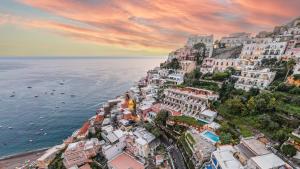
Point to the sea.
(44, 99)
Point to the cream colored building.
(188, 101)
(208, 40)
(187, 66)
(254, 79)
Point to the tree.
(200, 52)
(161, 117)
(225, 138)
(288, 150)
(234, 106)
(289, 66)
(174, 64)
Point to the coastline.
(18, 160)
(23, 153)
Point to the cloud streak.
(158, 24)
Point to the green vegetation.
(193, 80)
(187, 120)
(152, 129)
(201, 51)
(161, 117)
(185, 149)
(174, 64)
(57, 163)
(190, 138)
(288, 150)
(221, 76)
(296, 76)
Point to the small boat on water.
(30, 140)
(41, 129)
(41, 117)
(10, 128)
(36, 96)
(45, 134)
(62, 93)
(51, 93)
(73, 95)
(0, 126)
(63, 102)
(53, 90)
(29, 87)
(12, 95)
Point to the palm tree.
(289, 66)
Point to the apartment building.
(80, 152)
(208, 40)
(188, 101)
(235, 39)
(254, 79)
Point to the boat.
(73, 95)
(30, 140)
(62, 93)
(41, 129)
(10, 128)
(36, 96)
(45, 133)
(0, 126)
(41, 117)
(12, 95)
(61, 83)
(29, 87)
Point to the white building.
(208, 116)
(224, 158)
(115, 144)
(208, 40)
(293, 50)
(254, 79)
(145, 142)
(274, 50)
(188, 101)
(175, 78)
(267, 161)
(235, 39)
(254, 48)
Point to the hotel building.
(254, 79)
(188, 101)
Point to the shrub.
(288, 150)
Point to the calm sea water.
(64, 93)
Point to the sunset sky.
(128, 27)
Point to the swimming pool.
(211, 136)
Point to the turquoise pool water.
(211, 136)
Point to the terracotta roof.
(84, 128)
(175, 113)
(86, 166)
(99, 118)
(156, 107)
(125, 161)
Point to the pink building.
(79, 153)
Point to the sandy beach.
(11, 162)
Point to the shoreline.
(22, 159)
(2, 158)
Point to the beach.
(11, 162)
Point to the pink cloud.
(160, 23)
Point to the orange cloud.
(160, 23)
